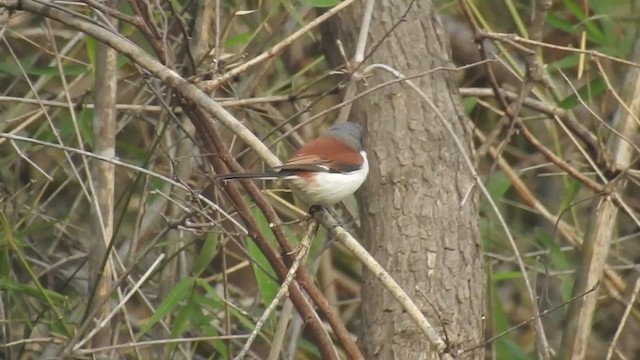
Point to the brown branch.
(148, 29)
(597, 240)
(478, 39)
(598, 188)
(301, 252)
(534, 75)
(213, 145)
(581, 131)
(513, 40)
(303, 276)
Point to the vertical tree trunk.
(103, 173)
(418, 221)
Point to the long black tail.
(261, 176)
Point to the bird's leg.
(311, 214)
(292, 222)
(316, 208)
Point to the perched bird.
(325, 170)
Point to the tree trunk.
(418, 221)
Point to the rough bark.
(414, 219)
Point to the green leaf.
(7, 285)
(121, 60)
(603, 16)
(5, 261)
(262, 269)
(44, 294)
(498, 185)
(317, 246)
(10, 69)
(507, 275)
(264, 274)
(469, 104)
(203, 322)
(587, 92)
(177, 5)
(560, 23)
(321, 3)
(291, 81)
(238, 40)
(206, 254)
(183, 316)
(556, 261)
(57, 328)
(213, 301)
(85, 124)
(180, 292)
(570, 192)
(125, 149)
(54, 70)
(90, 44)
(505, 347)
(568, 62)
(594, 33)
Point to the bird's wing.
(328, 155)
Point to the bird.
(326, 170)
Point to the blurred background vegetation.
(213, 282)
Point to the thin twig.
(114, 161)
(281, 330)
(211, 85)
(596, 246)
(124, 300)
(302, 249)
(542, 314)
(613, 281)
(221, 161)
(385, 279)
(26, 158)
(512, 38)
(623, 320)
(49, 340)
(158, 342)
(156, 108)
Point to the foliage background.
(212, 282)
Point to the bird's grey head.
(350, 133)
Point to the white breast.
(331, 188)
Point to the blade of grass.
(8, 235)
(183, 288)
